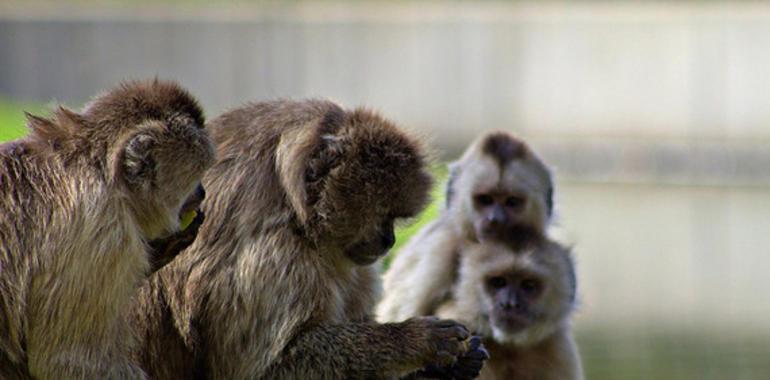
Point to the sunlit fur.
(74, 220)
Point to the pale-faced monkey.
(520, 302)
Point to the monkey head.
(500, 191)
(147, 139)
(349, 177)
(519, 297)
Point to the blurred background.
(655, 117)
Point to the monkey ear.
(136, 166)
(326, 158)
(304, 158)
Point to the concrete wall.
(663, 70)
(686, 73)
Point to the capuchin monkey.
(80, 199)
(520, 303)
(499, 191)
(280, 283)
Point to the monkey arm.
(369, 350)
(356, 350)
(421, 275)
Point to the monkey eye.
(484, 199)
(530, 286)
(497, 282)
(514, 201)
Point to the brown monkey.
(80, 197)
(499, 191)
(520, 302)
(279, 284)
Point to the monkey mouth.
(194, 200)
(512, 322)
(191, 207)
(368, 259)
(364, 254)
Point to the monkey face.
(515, 300)
(500, 191)
(184, 154)
(520, 296)
(160, 164)
(503, 216)
(349, 178)
(368, 251)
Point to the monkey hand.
(468, 365)
(441, 340)
(163, 250)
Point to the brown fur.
(278, 285)
(79, 198)
(545, 349)
(425, 269)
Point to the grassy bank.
(12, 121)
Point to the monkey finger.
(466, 373)
(481, 354)
(467, 369)
(432, 371)
(452, 329)
(476, 350)
(471, 344)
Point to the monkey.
(498, 191)
(81, 196)
(279, 283)
(520, 302)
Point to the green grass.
(667, 353)
(408, 228)
(12, 120)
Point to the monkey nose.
(388, 240)
(497, 216)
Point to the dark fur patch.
(332, 120)
(523, 236)
(503, 148)
(450, 185)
